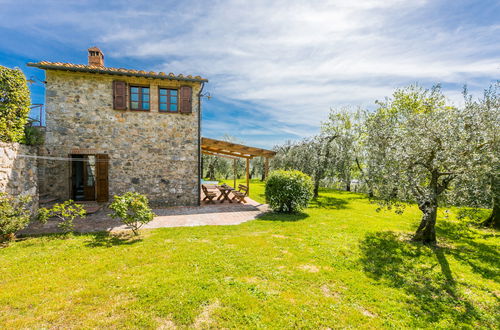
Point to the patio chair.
(241, 193)
(209, 195)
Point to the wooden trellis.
(235, 150)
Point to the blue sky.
(275, 67)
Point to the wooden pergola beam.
(206, 152)
(222, 152)
(234, 148)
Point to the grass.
(338, 264)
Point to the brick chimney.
(96, 57)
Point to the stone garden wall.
(18, 175)
(149, 152)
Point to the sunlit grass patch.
(338, 264)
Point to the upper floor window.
(168, 101)
(139, 98)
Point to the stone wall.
(150, 152)
(18, 174)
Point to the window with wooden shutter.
(168, 100)
(139, 98)
(185, 99)
(119, 95)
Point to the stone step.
(90, 207)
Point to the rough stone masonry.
(151, 152)
(18, 173)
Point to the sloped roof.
(212, 146)
(113, 71)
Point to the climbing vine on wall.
(14, 104)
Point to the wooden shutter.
(185, 100)
(119, 95)
(102, 183)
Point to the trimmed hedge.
(288, 191)
(14, 104)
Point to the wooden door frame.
(99, 196)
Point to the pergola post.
(248, 174)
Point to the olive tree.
(417, 147)
(345, 124)
(313, 156)
(480, 188)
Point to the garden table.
(224, 193)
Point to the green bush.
(33, 136)
(14, 215)
(66, 212)
(133, 210)
(14, 104)
(288, 191)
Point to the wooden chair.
(241, 193)
(209, 195)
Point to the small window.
(168, 100)
(139, 98)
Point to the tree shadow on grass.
(107, 239)
(422, 272)
(284, 217)
(471, 248)
(328, 202)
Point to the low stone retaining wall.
(18, 174)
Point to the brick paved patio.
(179, 216)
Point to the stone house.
(111, 130)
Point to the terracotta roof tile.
(116, 71)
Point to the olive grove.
(420, 149)
(413, 148)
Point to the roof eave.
(101, 71)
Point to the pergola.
(234, 151)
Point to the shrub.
(66, 212)
(14, 215)
(288, 191)
(33, 136)
(133, 210)
(14, 104)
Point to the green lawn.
(339, 264)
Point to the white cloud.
(293, 60)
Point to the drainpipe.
(199, 143)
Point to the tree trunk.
(211, 171)
(365, 177)
(494, 219)
(348, 186)
(316, 187)
(263, 174)
(426, 232)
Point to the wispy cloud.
(276, 68)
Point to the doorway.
(83, 178)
